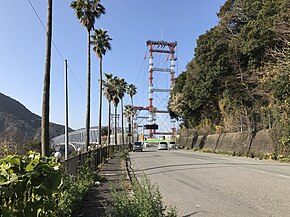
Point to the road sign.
(151, 126)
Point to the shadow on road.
(196, 166)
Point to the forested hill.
(239, 78)
(19, 125)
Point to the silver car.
(137, 146)
(162, 146)
(173, 145)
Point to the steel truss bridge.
(77, 139)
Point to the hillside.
(19, 125)
(238, 79)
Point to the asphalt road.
(200, 184)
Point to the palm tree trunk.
(115, 125)
(100, 103)
(132, 125)
(87, 141)
(129, 127)
(46, 86)
(109, 123)
(122, 120)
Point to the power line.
(42, 24)
(36, 14)
(58, 51)
(77, 80)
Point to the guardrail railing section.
(93, 158)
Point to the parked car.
(162, 146)
(137, 146)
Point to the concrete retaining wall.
(259, 142)
(234, 142)
(262, 142)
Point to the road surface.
(200, 184)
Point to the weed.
(125, 154)
(146, 201)
(75, 189)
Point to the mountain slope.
(19, 125)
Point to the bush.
(74, 191)
(125, 154)
(29, 185)
(37, 186)
(145, 202)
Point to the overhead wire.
(56, 48)
(73, 74)
(42, 24)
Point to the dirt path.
(100, 198)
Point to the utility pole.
(66, 111)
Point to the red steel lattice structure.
(165, 48)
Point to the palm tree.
(101, 43)
(109, 94)
(132, 90)
(116, 100)
(46, 86)
(87, 11)
(128, 112)
(121, 93)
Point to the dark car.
(137, 146)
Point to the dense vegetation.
(239, 78)
(32, 185)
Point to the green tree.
(109, 94)
(131, 91)
(121, 93)
(101, 44)
(116, 84)
(226, 78)
(46, 86)
(275, 83)
(129, 112)
(87, 11)
(177, 106)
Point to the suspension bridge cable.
(141, 67)
(141, 80)
(163, 122)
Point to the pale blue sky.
(129, 22)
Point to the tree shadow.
(196, 166)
